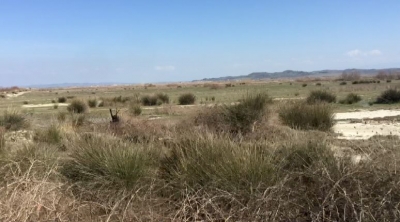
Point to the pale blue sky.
(57, 41)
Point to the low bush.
(50, 135)
(304, 84)
(25, 102)
(343, 83)
(350, 99)
(187, 99)
(92, 103)
(77, 106)
(135, 109)
(150, 100)
(108, 163)
(217, 163)
(163, 97)
(62, 99)
(304, 116)
(320, 96)
(13, 120)
(388, 96)
(318, 84)
(239, 118)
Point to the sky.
(76, 41)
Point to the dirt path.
(43, 105)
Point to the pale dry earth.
(366, 126)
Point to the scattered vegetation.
(304, 85)
(305, 116)
(343, 83)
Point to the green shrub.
(50, 135)
(304, 84)
(25, 102)
(388, 96)
(13, 120)
(96, 161)
(135, 109)
(350, 99)
(150, 100)
(92, 103)
(55, 106)
(62, 99)
(238, 118)
(320, 96)
(53, 101)
(388, 81)
(318, 84)
(163, 97)
(210, 162)
(77, 106)
(300, 115)
(186, 99)
(343, 83)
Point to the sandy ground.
(365, 129)
(11, 95)
(365, 114)
(43, 105)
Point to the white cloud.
(357, 53)
(164, 68)
(374, 52)
(354, 53)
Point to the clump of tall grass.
(109, 163)
(350, 99)
(62, 99)
(77, 106)
(135, 109)
(239, 118)
(51, 135)
(13, 120)
(150, 100)
(92, 103)
(2, 139)
(320, 96)
(187, 99)
(211, 162)
(388, 96)
(304, 116)
(163, 97)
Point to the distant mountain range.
(253, 76)
(295, 74)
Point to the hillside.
(296, 74)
